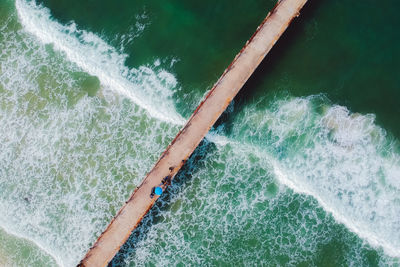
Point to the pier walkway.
(203, 118)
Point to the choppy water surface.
(288, 176)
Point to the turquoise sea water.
(303, 169)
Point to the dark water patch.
(254, 90)
(340, 54)
(155, 215)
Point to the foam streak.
(346, 162)
(96, 57)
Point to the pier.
(189, 137)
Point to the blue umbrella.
(158, 191)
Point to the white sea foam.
(150, 89)
(343, 160)
(67, 161)
(56, 258)
(236, 208)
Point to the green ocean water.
(303, 169)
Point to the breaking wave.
(149, 87)
(342, 159)
(69, 160)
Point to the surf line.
(46, 251)
(283, 175)
(90, 53)
(196, 128)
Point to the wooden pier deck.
(203, 118)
